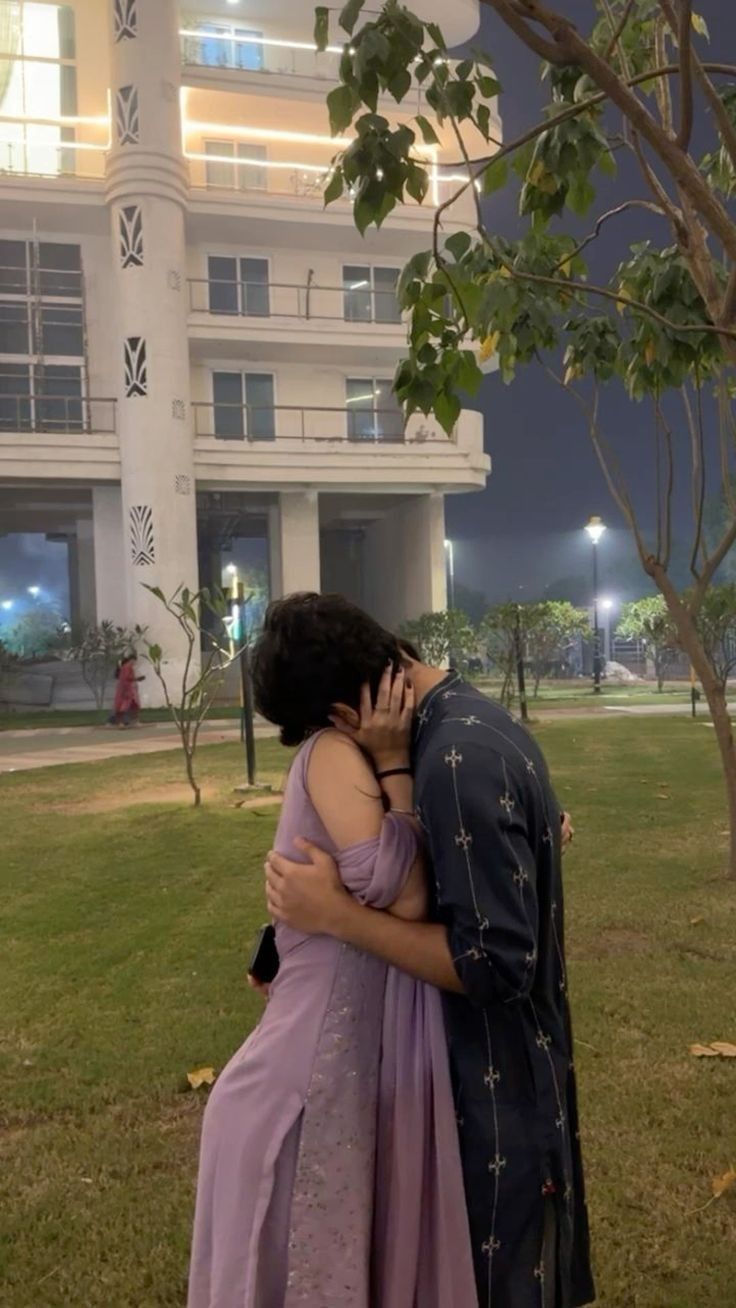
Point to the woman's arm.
(347, 797)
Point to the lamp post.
(608, 606)
(450, 556)
(595, 529)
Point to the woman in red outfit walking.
(127, 702)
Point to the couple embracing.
(400, 1130)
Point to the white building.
(192, 350)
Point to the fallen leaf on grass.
(721, 1184)
(664, 797)
(718, 1049)
(703, 1051)
(201, 1076)
(696, 921)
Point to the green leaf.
(417, 184)
(350, 15)
(399, 84)
(483, 119)
(700, 26)
(341, 103)
(469, 375)
(334, 188)
(580, 195)
(495, 176)
(447, 409)
(458, 244)
(488, 86)
(322, 27)
(464, 69)
(429, 135)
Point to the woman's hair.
(316, 651)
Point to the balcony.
(282, 445)
(270, 317)
(225, 56)
(58, 437)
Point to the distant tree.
(649, 620)
(550, 629)
(190, 699)
(40, 631)
(717, 629)
(440, 637)
(8, 668)
(99, 652)
(498, 635)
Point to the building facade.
(195, 356)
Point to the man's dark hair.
(316, 651)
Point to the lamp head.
(595, 529)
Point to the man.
(495, 947)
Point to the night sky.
(524, 534)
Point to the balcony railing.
(257, 425)
(357, 306)
(57, 414)
(267, 56)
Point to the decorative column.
(147, 195)
(298, 543)
(405, 562)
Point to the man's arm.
(311, 898)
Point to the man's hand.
(308, 897)
(568, 831)
(261, 987)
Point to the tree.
(471, 602)
(500, 630)
(649, 620)
(190, 700)
(661, 321)
(8, 668)
(99, 652)
(38, 633)
(551, 628)
(440, 637)
(717, 630)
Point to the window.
(38, 81)
(239, 285)
(243, 176)
(244, 406)
(370, 294)
(373, 412)
(223, 46)
(40, 397)
(41, 336)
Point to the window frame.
(377, 438)
(244, 373)
(371, 293)
(240, 311)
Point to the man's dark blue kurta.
(492, 825)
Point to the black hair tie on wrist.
(394, 772)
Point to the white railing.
(359, 306)
(326, 426)
(57, 413)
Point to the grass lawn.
(44, 718)
(123, 937)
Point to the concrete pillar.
(81, 562)
(110, 562)
(147, 193)
(405, 572)
(298, 543)
(275, 563)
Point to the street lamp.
(595, 529)
(34, 591)
(450, 554)
(7, 605)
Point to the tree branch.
(685, 43)
(619, 30)
(604, 218)
(518, 24)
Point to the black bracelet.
(394, 772)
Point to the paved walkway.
(43, 747)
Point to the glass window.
(222, 273)
(385, 286)
(370, 294)
(356, 281)
(227, 393)
(60, 269)
(250, 176)
(217, 171)
(38, 79)
(248, 53)
(373, 412)
(13, 267)
(260, 410)
(61, 330)
(213, 49)
(254, 283)
(15, 391)
(58, 398)
(14, 327)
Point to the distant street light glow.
(35, 591)
(7, 604)
(595, 529)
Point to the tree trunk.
(715, 694)
(189, 760)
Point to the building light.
(316, 169)
(57, 120)
(256, 39)
(266, 133)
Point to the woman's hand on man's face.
(385, 727)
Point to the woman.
(127, 705)
(330, 1173)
